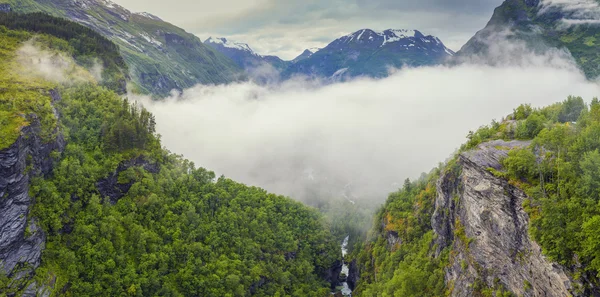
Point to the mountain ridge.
(160, 56)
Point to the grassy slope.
(158, 69)
(22, 95)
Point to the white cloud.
(37, 62)
(579, 11)
(299, 138)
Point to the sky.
(286, 28)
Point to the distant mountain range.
(371, 53)
(362, 53)
(160, 56)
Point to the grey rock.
(353, 275)
(490, 210)
(332, 274)
(21, 240)
(5, 7)
(110, 186)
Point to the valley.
(138, 160)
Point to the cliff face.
(21, 240)
(481, 217)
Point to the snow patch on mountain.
(148, 15)
(231, 44)
(149, 39)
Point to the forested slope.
(522, 195)
(120, 215)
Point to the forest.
(172, 228)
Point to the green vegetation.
(177, 231)
(541, 31)
(24, 91)
(22, 97)
(408, 268)
(159, 55)
(560, 172)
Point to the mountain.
(305, 55)
(543, 25)
(92, 205)
(242, 54)
(370, 53)
(160, 56)
(263, 69)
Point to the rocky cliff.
(21, 240)
(480, 216)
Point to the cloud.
(36, 62)
(578, 12)
(286, 28)
(362, 137)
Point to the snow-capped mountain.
(243, 55)
(371, 53)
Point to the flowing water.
(345, 289)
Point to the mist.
(358, 139)
(37, 62)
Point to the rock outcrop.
(332, 275)
(5, 7)
(353, 275)
(110, 186)
(21, 240)
(480, 216)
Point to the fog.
(361, 138)
(33, 61)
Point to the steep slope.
(160, 56)
(514, 213)
(543, 25)
(370, 53)
(86, 185)
(481, 219)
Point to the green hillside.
(124, 217)
(160, 56)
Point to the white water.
(346, 289)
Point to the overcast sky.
(286, 28)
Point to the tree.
(590, 178)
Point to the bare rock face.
(5, 8)
(481, 218)
(21, 240)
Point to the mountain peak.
(382, 38)
(224, 42)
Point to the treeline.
(87, 45)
